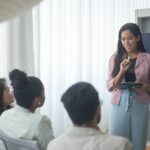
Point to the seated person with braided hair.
(22, 121)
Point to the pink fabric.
(142, 73)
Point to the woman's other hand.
(142, 89)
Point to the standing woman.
(130, 105)
(6, 97)
(22, 121)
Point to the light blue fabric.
(130, 119)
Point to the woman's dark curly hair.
(25, 88)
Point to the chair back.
(9, 143)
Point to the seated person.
(22, 121)
(81, 101)
(6, 97)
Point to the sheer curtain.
(72, 48)
(16, 46)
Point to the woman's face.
(129, 41)
(42, 98)
(7, 96)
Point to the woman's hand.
(124, 66)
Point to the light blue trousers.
(130, 119)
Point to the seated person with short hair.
(22, 121)
(81, 101)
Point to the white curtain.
(63, 42)
(72, 50)
(17, 45)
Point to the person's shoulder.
(44, 118)
(57, 143)
(112, 57)
(111, 60)
(116, 142)
(145, 54)
(41, 118)
(114, 54)
(7, 112)
(44, 124)
(116, 138)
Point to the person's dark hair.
(81, 101)
(2, 87)
(25, 88)
(121, 52)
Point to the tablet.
(127, 85)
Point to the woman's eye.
(130, 38)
